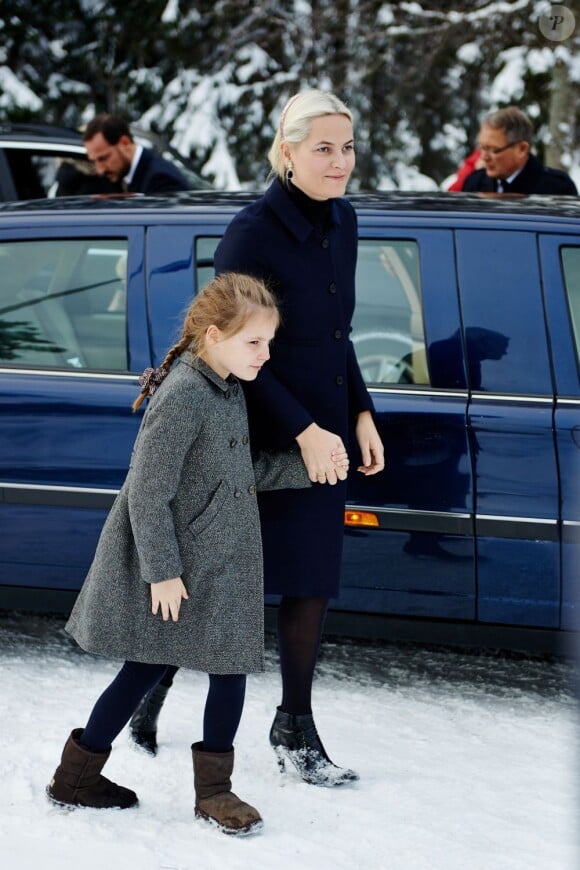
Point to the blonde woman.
(300, 237)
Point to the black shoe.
(143, 723)
(294, 737)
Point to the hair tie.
(152, 378)
(284, 113)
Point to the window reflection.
(62, 304)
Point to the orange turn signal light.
(361, 518)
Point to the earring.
(289, 171)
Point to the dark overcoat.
(312, 376)
(187, 508)
(535, 178)
(154, 174)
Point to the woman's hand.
(324, 455)
(371, 446)
(168, 595)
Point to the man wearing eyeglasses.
(504, 142)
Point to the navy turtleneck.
(318, 212)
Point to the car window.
(35, 171)
(571, 269)
(503, 312)
(204, 251)
(26, 174)
(63, 304)
(388, 332)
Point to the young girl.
(177, 575)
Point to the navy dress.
(306, 253)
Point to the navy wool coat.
(312, 375)
(188, 508)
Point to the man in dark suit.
(504, 142)
(111, 147)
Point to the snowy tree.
(212, 76)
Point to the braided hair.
(227, 302)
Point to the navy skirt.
(302, 535)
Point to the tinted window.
(571, 268)
(63, 305)
(503, 312)
(204, 251)
(34, 172)
(388, 332)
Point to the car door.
(418, 557)
(510, 419)
(560, 257)
(179, 263)
(73, 336)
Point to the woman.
(300, 237)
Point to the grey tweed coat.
(187, 508)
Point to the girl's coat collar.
(196, 363)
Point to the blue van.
(467, 330)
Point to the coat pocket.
(200, 523)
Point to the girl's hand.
(318, 446)
(168, 595)
(340, 458)
(371, 446)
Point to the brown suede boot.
(214, 799)
(77, 780)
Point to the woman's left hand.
(371, 446)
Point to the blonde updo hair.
(227, 301)
(294, 123)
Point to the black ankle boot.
(294, 737)
(143, 723)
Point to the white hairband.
(284, 112)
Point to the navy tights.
(223, 707)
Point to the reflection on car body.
(467, 331)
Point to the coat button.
(325, 243)
(332, 288)
(338, 333)
(339, 380)
(245, 439)
(227, 394)
(235, 390)
(252, 489)
(238, 493)
(233, 442)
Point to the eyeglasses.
(493, 151)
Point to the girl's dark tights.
(223, 708)
(300, 624)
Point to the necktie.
(500, 185)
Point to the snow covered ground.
(467, 762)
